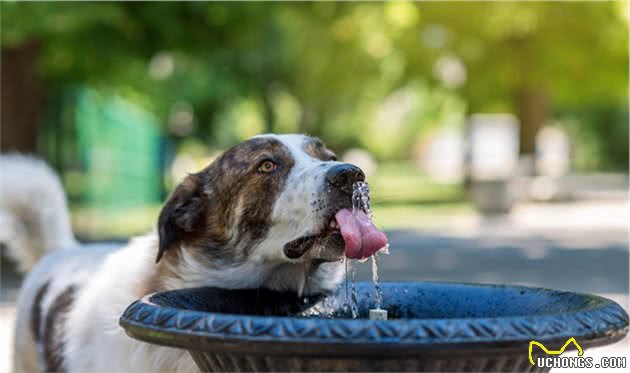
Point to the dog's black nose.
(344, 175)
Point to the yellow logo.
(554, 352)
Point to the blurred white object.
(442, 156)
(494, 161)
(551, 165)
(544, 188)
(182, 166)
(594, 186)
(161, 66)
(493, 146)
(378, 314)
(552, 151)
(493, 196)
(450, 70)
(361, 158)
(182, 119)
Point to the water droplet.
(361, 198)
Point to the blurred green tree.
(332, 68)
(200, 53)
(529, 58)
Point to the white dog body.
(273, 229)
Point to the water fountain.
(383, 327)
(431, 327)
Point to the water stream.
(354, 303)
(361, 202)
(377, 289)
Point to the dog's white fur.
(112, 277)
(33, 212)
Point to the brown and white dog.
(270, 212)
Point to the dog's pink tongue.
(361, 237)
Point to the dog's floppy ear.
(181, 214)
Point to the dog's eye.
(333, 158)
(267, 166)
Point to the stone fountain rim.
(596, 325)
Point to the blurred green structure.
(119, 146)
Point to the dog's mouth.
(347, 232)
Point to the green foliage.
(578, 51)
(601, 134)
(330, 68)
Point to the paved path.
(594, 262)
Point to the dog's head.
(269, 200)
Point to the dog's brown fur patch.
(48, 331)
(223, 211)
(36, 312)
(54, 330)
(316, 149)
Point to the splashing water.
(354, 303)
(345, 262)
(361, 198)
(361, 202)
(351, 303)
(377, 289)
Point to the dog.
(271, 212)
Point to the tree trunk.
(20, 98)
(532, 106)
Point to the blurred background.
(494, 134)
